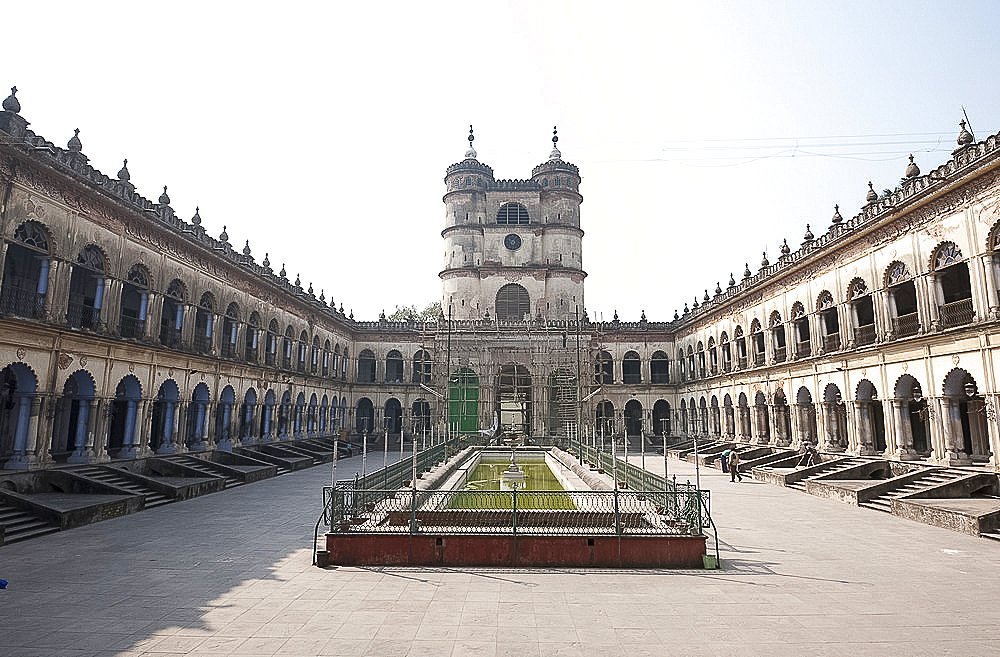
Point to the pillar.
(904, 430)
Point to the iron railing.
(905, 325)
(831, 342)
(21, 302)
(131, 327)
(957, 313)
(80, 315)
(779, 354)
(864, 335)
(803, 349)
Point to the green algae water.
(541, 489)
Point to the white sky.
(320, 132)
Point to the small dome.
(808, 237)
(836, 219)
(964, 136)
(785, 249)
(471, 153)
(555, 154)
(10, 103)
(196, 219)
(124, 175)
(224, 236)
(164, 199)
(74, 144)
(912, 170)
(246, 249)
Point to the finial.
(10, 103)
(164, 199)
(310, 290)
(282, 273)
(694, 306)
(836, 219)
(732, 281)
(351, 316)
(616, 316)
(912, 171)
(746, 270)
(341, 311)
(808, 237)
(124, 175)
(964, 136)
(267, 261)
(642, 318)
(471, 153)
(196, 219)
(246, 249)
(785, 249)
(555, 154)
(298, 281)
(322, 298)
(381, 316)
(686, 309)
(871, 196)
(718, 288)
(74, 144)
(224, 236)
(676, 316)
(763, 261)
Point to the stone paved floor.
(230, 574)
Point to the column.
(111, 306)
(84, 418)
(181, 426)
(20, 459)
(989, 275)
(167, 444)
(154, 314)
(145, 420)
(53, 311)
(863, 421)
(951, 422)
(934, 301)
(224, 441)
(904, 430)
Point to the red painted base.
(347, 549)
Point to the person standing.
(734, 467)
(725, 459)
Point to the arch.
(247, 412)
(798, 310)
(223, 418)
(604, 415)
(964, 413)
(93, 257)
(857, 288)
(393, 416)
(512, 214)
(958, 383)
(123, 431)
(267, 417)
(865, 391)
(633, 417)
(870, 417)
(298, 416)
(87, 286)
(35, 235)
(421, 367)
(163, 425)
(366, 366)
(905, 387)
(324, 426)
(604, 368)
(26, 272)
(514, 399)
(364, 416)
(72, 413)
(803, 396)
(312, 419)
(661, 417)
(824, 300)
(512, 303)
(896, 273)
(631, 368)
(659, 368)
(944, 255)
(394, 367)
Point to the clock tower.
(513, 248)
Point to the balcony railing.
(831, 342)
(864, 335)
(957, 313)
(758, 359)
(803, 349)
(202, 344)
(228, 350)
(131, 327)
(170, 337)
(741, 362)
(779, 354)
(80, 315)
(21, 302)
(727, 366)
(905, 325)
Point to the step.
(151, 497)
(20, 525)
(992, 534)
(877, 504)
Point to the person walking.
(734, 466)
(725, 460)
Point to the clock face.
(512, 242)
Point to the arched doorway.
(298, 417)
(514, 399)
(247, 415)
(763, 419)
(223, 419)
(73, 410)
(123, 434)
(661, 417)
(835, 419)
(284, 415)
(912, 415)
(730, 416)
(162, 428)
(805, 413)
(870, 419)
(463, 400)
(964, 419)
(364, 416)
(782, 419)
(394, 416)
(605, 418)
(744, 417)
(562, 403)
(267, 417)
(197, 419)
(18, 386)
(633, 417)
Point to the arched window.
(421, 367)
(134, 300)
(727, 352)
(230, 328)
(302, 348)
(902, 299)
(314, 356)
(778, 337)
(394, 367)
(659, 368)
(271, 343)
(604, 369)
(251, 345)
(26, 272)
(801, 337)
(757, 341)
(203, 323)
(172, 314)
(366, 367)
(631, 368)
(862, 311)
(829, 322)
(86, 289)
(952, 278)
(741, 347)
(286, 348)
(512, 214)
(513, 303)
(326, 358)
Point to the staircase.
(112, 478)
(883, 502)
(828, 467)
(20, 525)
(206, 468)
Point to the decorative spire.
(283, 273)
(124, 175)
(837, 219)
(164, 199)
(785, 249)
(196, 219)
(616, 316)
(686, 309)
(676, 316)
(964, 136)
(706, 298)
(341, 311)
(746, 271)
(808, 237)
(298, 281)
(555, 154)
(732, 281)
(694, 305)
(322, 297)
(471, 153)
(310, 290)
(246, 249)
(718, 288)
(267, 261)
(10, 103)
(224, 236)
(763, 261)
(74, 144)
(642, 318)
(351, 316)
(381, 316)
(912, 171)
